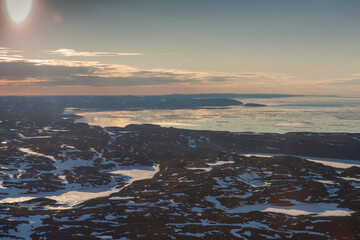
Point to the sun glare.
(19, 10)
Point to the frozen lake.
(281, 115)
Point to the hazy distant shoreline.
(282, 113)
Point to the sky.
(142, 47)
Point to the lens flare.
(18, 10)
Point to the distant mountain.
(235, 95)
(41, 107)
(254, 105)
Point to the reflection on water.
(300, 114)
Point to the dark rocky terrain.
(66, 180)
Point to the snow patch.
(30, 152)
(317, 209)
(332, 162)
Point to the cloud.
(15, 70)
(354, 80)
(6, 53)
(73, 53)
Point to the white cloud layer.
(73, 53)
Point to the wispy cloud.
(354, 80)
(6, 53)
(73, 53)
(17, 70)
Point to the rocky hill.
(66, 180)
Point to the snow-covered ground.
(74, 193)
(332, 162)
(299, 208)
